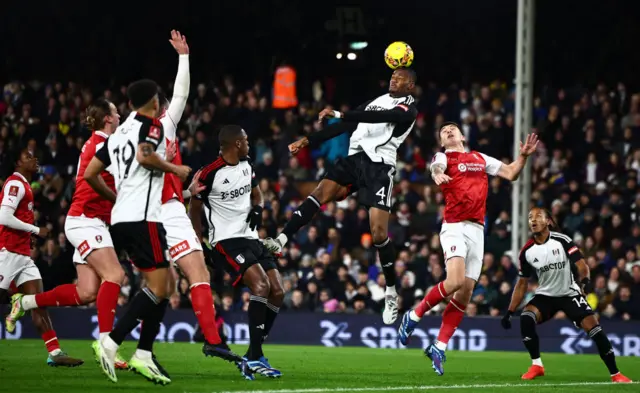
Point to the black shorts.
(144, 242)
(575, 307)
(239, 254)
(372, 180)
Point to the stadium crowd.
(586, 173)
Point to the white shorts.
(466, 240)
(181, 238)
(86, 234)
(17, 268)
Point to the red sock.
(435, 296)
(451, 318)
(50, 340)
(60, 296)
(202, 302)
(106, 303)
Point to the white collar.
(22, 177)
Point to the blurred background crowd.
(586, 172)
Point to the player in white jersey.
(134, 154)
(377, 128)
(232, 203)
(183, 243)
(559, 266)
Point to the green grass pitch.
(311, 370)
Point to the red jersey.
(17, 194)
(172, 184)
(465, 196)
(86, 200)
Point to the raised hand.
(530, 146)
(179, 42)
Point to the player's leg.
(145, 243)
(451, 318)
(339, 181)
(256, 279)
(591, 325)
(536, 311)
(455, 252)
(275, 300)
(67, 295)
(29, 282)
(325, 192)
(194, 268)
(379, 222)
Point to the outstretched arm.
(182, 82)
(512, 171)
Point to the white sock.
(102, 336)
(282, 239)
(391, 291)
(441, 346)
(142, 354)
(29, 302)
(537, 362)
(55, 352)
(109, 344)
(413, 316)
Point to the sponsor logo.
(178, 248)
(240, 258)
(453, 248)
(13, 191)
(226, 181)
(462, 167)
(236, 193)
(83, 248)
(30, 206)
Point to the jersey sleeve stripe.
(217, 164)
(572, 250)
(560, 236)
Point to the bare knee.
(378, 233)
(87, 295)
(114, 275)
(276, 296)
(455, 274)
(260, 288)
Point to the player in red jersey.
(98, 269)
(184, 245)
(16, 265)
(462, 176)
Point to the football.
(398, 54)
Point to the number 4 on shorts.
(382, 195)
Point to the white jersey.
(554, 262)
(139, 190)
(227, 199)
(380, 141)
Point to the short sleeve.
(573, 252)
(440, 159)
(13, 194)
(102, 153)
(525, 268)
(207, 182)
(152, 133)
(492, 165)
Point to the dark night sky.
(577, 42)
